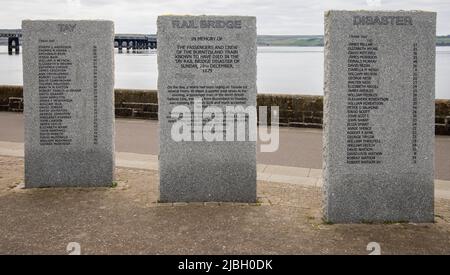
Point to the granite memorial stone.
(211, 59)
(379, 116)
(68, 79)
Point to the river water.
(289, 70)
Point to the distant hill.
(290, 40)
(443, 40)
(316, 40)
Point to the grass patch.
(395, 222)
(324, 221)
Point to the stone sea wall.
(295, 110)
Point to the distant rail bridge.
(13, 39)
(133, 42)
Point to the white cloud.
(273, 17)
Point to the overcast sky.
(273, 16)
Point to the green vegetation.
(443, 40)
(395, 222)
(324, 221)
(316, 40)
(290, 40)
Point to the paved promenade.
(127, 219)
(299, 147)
(302, 176)
(287, 218)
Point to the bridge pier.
(119, 45)
(134, 44)
(13, 43)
